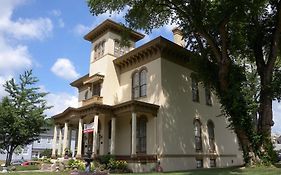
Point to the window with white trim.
(143, 83)
(211, 133)
(141, 135)
(199, 163)
(197, 134)
(99, 50)
(139, 84)
(195, 90)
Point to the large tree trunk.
(249, 154)
(9, 156)
(265, 120)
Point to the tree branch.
(275, 39)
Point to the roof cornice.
(109, 25)
(158, 47)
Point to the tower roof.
(109, 25)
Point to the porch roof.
(114, 110)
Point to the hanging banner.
(88, 128)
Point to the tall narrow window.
(135, 85)
(195, 90)
(213, 163)
(96, 89)
(139, 84)
(116, 48)
(197, 133)
(141, 135)
(211, 134)
(143, 83)
(99, 50)
(208, 95)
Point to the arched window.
(197, 134)
(139, 84)
(135, 85)
(211, 133)
(143, 83)
(141, 135)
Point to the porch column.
(95, 135)
(134, 131)
(80, 137)
(112, 141)
(69, 139)
(65, 138)
(60, 141)
(54, 142)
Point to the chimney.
(178, 37)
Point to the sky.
(47, 37)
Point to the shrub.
(105, 159)
(79, 164)
(117, 165)
(46, 153)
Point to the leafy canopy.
(21, 113)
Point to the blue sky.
(48, 38)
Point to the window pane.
(211, 134)
(197, 134)
(199, 163)
(141, 135)
(212, 163)
(195, 91)
(208, 95)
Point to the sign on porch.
(88, 128)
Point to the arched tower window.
(197, 134)
(211, 133)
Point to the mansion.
(144, 106)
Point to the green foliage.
(105, 159)
(75, 163)
(117, 165)
(46, 153)
(21, 113)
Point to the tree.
(21, 114)
(219, 33)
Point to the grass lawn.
(225, 171)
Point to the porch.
(127, 131)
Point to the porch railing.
(93, 99)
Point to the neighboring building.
(35, 149)
(144, 105)
(276, 140)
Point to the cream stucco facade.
(148, 121)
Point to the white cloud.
(60, 102)
(64, 68)
(81, 29)
(27, 28)
(55, 12)
(15, 57)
